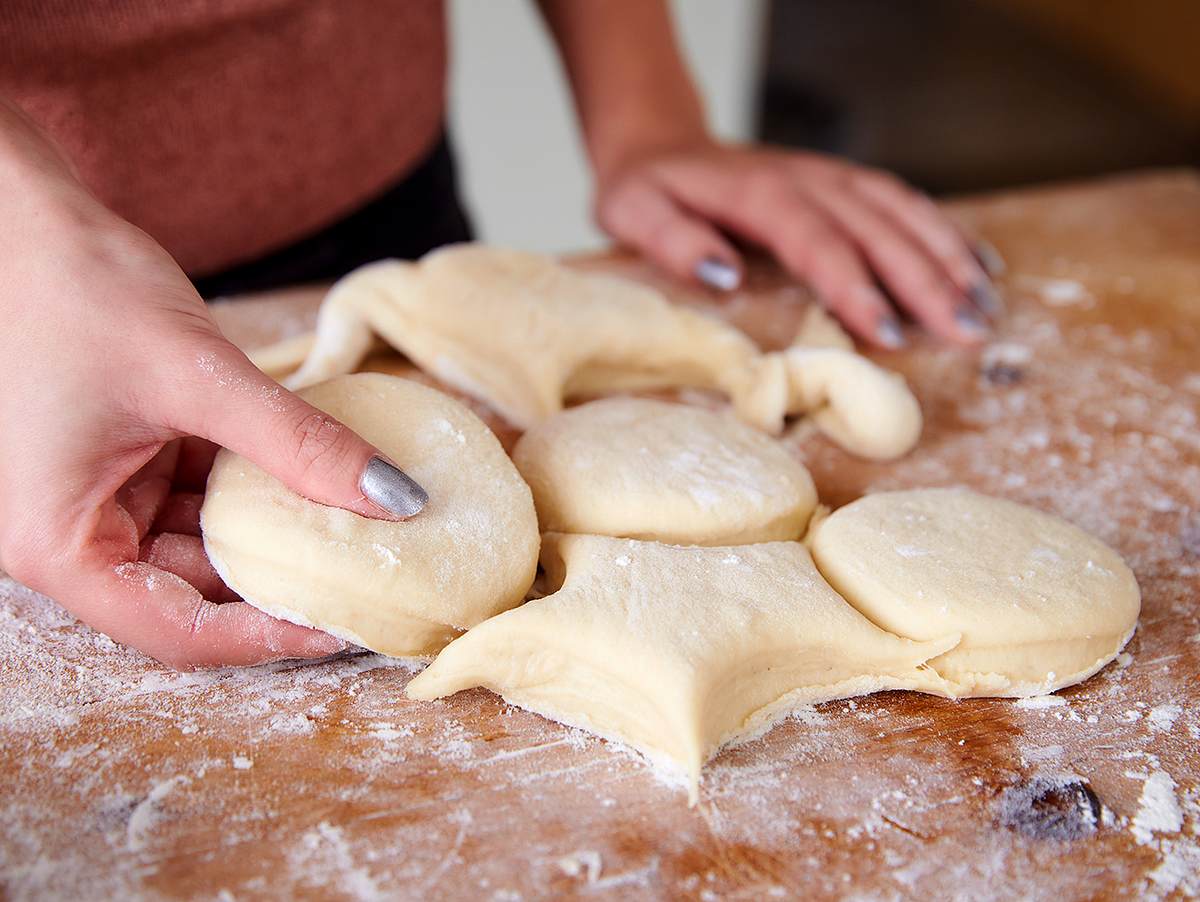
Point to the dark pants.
(417, 215)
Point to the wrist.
(35, 175)
(618, 145)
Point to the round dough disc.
(1040, 603)
(397, 588)
(642, 469)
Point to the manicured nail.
(889, 333)
(986, 298)
(323, 644)
(989, 258)
(718, 274)
(392, 489)
(970, 323)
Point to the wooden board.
(122, 779)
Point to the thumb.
(235, 405)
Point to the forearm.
(632, 89)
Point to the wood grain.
(122, 779)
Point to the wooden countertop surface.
(122, 779)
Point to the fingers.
(916, 216)
(184, 556)
(642, 215)
(839, 227)
(144, 493)
(233, 404)
(773, 213)
(164, 616)
(917, 282)
(100, 580)
(180, 514)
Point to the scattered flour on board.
(1163, 717)
(1158, 809)
(1038, 702)
(1057, 292)
(149, 812)
(97, 711)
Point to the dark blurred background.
(967, 95)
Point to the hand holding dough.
(397, 588)
(678, 651)
(642, 469)
(1040, 603)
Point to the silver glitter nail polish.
(890, 334)
(392, 489)
(986, 298)
(989, 258)
(970, 322)
(718, 274)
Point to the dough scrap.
(523, 332)
(818, 329)
(867, 410)
(644, 469)
(402, 589)
(678, 651)
(1040, 603)
(285, 356)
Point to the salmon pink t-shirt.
(229, 128)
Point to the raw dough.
(522, 331)
(397, 588)
(643, 469)
(818, 329)
(1040, 603)
(862, 407)
(679, 650)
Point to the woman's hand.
(111, 365)
(665, 188)
(838, 226)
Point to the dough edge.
(669, 770)
(282, 612)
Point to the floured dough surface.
(679, 650)
(1040, 603)
(645, 469)
(522, 332)
(402, 589)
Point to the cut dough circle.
(678, 650)
(1040, 603)
(403, 589)
(643, 469)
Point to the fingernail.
(718, 274)
(986, 298)
(989, 258)
(324, 644)
(970, 323)
(392, 489)
(889, 333)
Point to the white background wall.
(523, 170)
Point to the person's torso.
(228, 128)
